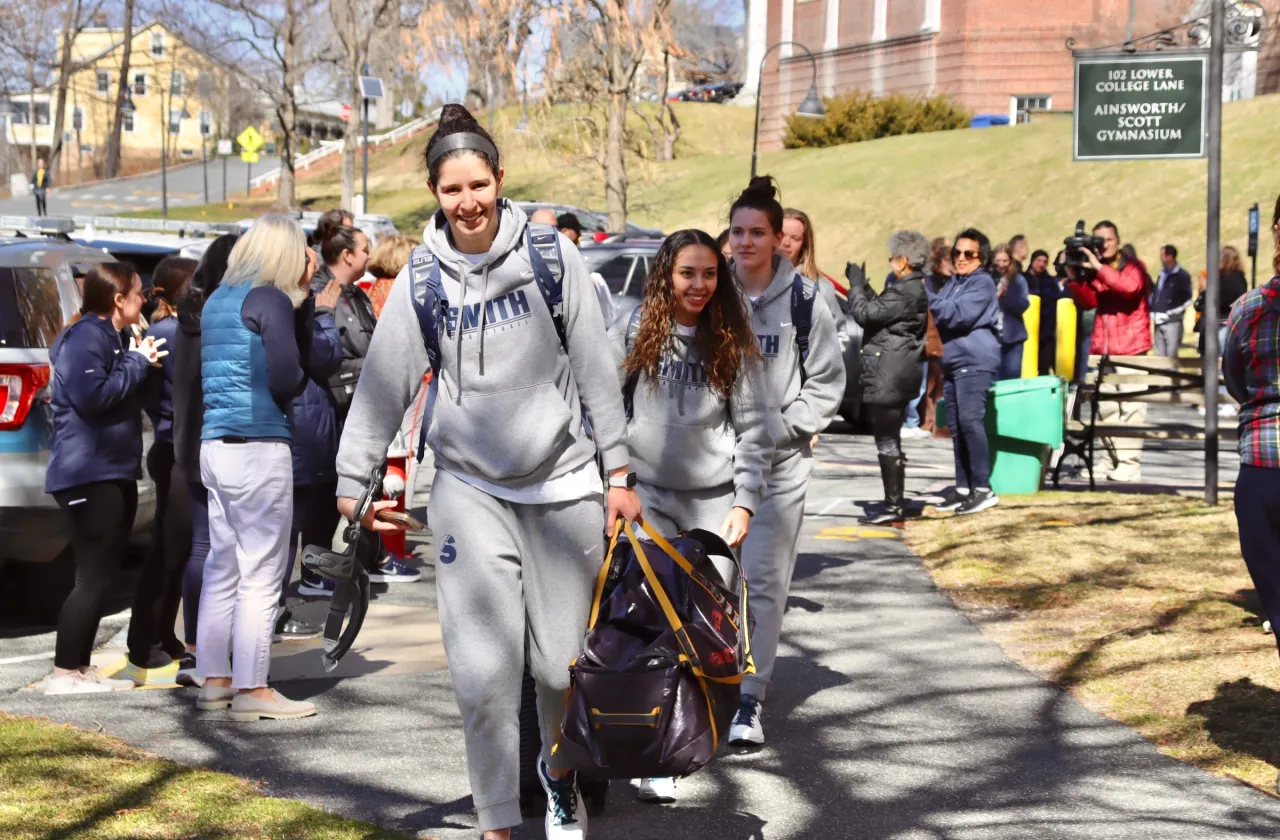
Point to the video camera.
(1076, 244)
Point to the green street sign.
(1144, 107)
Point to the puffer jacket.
(314, 415)
(1122, 326)
(894, 323)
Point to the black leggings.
(886, 427)
(159, 592)
(101, 517)
(315, 520)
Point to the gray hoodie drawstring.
(457, 338)
(484, 310)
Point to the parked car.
(145, 242)
(595, 225)
(624, 265)
(40, 280)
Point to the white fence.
(328, 148)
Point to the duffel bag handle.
(602, 576)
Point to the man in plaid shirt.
(1251, 366)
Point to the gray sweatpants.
(769, 559)
(671, 511)
(510, 578)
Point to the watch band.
(625, 481)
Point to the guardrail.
(329, 148)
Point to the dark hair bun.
(764, 186)
(455, 117)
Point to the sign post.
(224, 150)
(250, 141)
(370, 88)
(1253, 245)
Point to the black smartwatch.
(626, 481)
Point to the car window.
(30, 309)
(616, 272)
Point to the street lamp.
(810, 107)
(171, 128)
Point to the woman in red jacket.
(1118, 288)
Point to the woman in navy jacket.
(96, 457)
(1014, 299)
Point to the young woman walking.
(516, 505)
(700, 433)
(95, 457)
(807, 392)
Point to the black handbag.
(662, 663)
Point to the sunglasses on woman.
(956, 254)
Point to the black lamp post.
(810, 107)
(171, 128)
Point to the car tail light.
(19, 385)
(599, 236)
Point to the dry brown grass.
(1139, 605)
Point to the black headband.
(462, 140)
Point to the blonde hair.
(272, 252)
(390, 255)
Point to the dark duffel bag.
(662, 663)
(533, 799)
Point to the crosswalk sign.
(249, 139)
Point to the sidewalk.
(891, 717)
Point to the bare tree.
(354, 24)
(122, 95)
(616, 36)
(78, 15)
(29, 44)
(488, 35)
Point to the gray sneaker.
(246, 707)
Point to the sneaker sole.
(657, 800)
(279, 637)
(392, 579)
(248, 717)
(987, 505)
(314, 593)
(213, 705)
(744, 741)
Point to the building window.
(177, 83)
(104, 81)
(175, 120)
(932, 16)
(206, 123)
(139, 84)
(157, 44)
(1024, 105)
(77, 118)
(127, 122)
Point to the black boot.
(893, 474)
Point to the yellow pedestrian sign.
(249, 139)
(249, 157)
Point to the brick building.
(992, 56)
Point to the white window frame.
(175, 121)
(932, 16)
(206, 123)
(99, 77)
(127, 124)
(1044, 102)
(177, 83)
(157, 44)
(77, 118)
(879, 20)
(133, 88)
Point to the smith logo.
(448, 551)
(769, 345)
(499, 313)
(682, 372)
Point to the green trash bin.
(1025, 421)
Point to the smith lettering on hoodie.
(684, 435)
(806, 410)
(510, 399)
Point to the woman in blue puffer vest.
(95, 457)
(250, 371)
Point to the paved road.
(891, 717)
(185, 183)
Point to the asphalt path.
(891, 717)
(186, 186)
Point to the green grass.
(60, 782)
(1002, 180)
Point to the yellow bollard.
(1065, 363)
(1031, 347)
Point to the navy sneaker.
(566, 818)
(391, 570)
(317, 587)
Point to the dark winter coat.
(894, 324)
(97, 406)
(355, 321)
(1013, 304)
(160, 402)
(315, 421)
(186, 388)
(966, 314)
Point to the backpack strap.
(802, 296)
(432, 308)
(548, 270)
(633, 378)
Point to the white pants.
(250, 514)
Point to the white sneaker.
(747, 729)
(95, 676)
(246, 707)
(75, 683)
(915, 433)
(566, 816)
(660, 791)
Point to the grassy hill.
(1002, 180)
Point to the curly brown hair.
(724, 338)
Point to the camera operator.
(1118, 289)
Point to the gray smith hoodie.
(509, 400)
(809, 410)
(684, 435)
